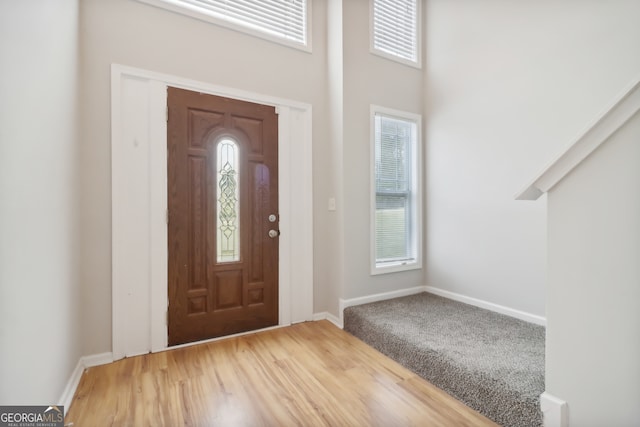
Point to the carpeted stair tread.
(491, 362)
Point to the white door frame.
(139, 206)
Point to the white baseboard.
(325, 315)
(344, 303)
(72, 385)
(555, 411)
(97, 359)
(74, 380)
(522, 315)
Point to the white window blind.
(281, 19)
(392, 168)
(395, 28)
(396, 218)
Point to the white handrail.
(615, 116)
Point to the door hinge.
(167, 113)
(167, 216)
(166, 318)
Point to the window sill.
(414, 64)
(197, 13)
(394, 267)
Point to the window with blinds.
(395, 30)
(395, 205)
(284, 21)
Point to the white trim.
(97, 359)
(296, 214)
(522, 315)
(74, 380)
(416, 192)
(555, 412)
(119, 70)
(72, 385)
(158, 243)
(131, 212)
(193, 12)
(344, 303)
(325, 315)
(284, 290)
(531, 318)
(397, 59)
(139, 204)
(615, 116)
(116, 126)
(415, 64)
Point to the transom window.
(396, 206)
(283, 21)
(395, 30)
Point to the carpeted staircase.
(491, 362)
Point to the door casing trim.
(139, 205)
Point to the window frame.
(415, 197)
(193, 12)
(418, 62)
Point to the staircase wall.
(593, 318)
(508, 85)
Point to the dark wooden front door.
(223, 203)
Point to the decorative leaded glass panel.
(228, 221)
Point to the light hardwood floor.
(308, 374)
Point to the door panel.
(222, 188)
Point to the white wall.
(39, 284)
(332, 79)
(509, 85)
(368, 79)
(504, 86)
(593, 334)
(136, 34)
(333, 223)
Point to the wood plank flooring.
(308, 374)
